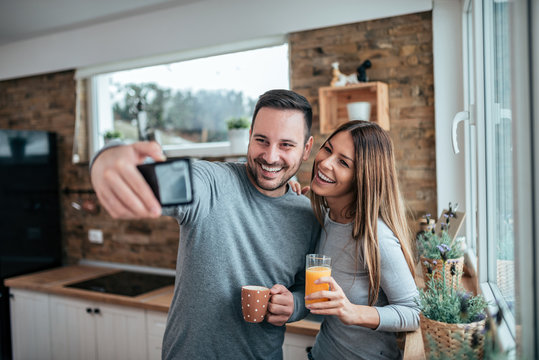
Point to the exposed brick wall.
(400, 49)
(47, 102)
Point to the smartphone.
(170, 180)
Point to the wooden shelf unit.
(333, 100)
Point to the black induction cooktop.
(127, 283)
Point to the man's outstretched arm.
(120, 187)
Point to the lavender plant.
(468, 349)
(442, 302)
(439, 246)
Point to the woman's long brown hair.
(376, 195)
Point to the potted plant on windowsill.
(238, 134)
(440, 255)
(112, 135)
(452, 321)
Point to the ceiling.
(24, 19)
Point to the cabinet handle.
(89, 310)
(97, 311)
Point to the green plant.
(443, 302)
(238, 123)
(468, 349)
(112, 134)
(452, 320)
(439, 246)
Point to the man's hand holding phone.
(170, 181)
(119, 185)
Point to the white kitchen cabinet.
(73, 329)
(92, 330)
(295, 345)
(121, 333)
(156, 322)
(30, 330)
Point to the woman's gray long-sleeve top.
(396, 303)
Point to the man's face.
(276, 149)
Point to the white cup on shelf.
(360, 110)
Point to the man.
(244, 227)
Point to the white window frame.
(99, 107)
(488, 268)
(525, 79)
(479, 104)
(472, 73)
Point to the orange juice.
(311, 274)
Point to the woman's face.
(334, 169)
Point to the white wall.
(206, 23)
(448, 100)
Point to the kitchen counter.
(54, 281)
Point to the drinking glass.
(316, 266)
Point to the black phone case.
(148, 172)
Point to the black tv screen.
(25, 147)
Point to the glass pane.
(190, 101)
(502, 159)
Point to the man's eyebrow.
(281, 140)
(289, 141)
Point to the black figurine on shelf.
(341, 79)
(362, 71)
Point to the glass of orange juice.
(316, 266)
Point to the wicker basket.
(434, 268)
(449, 338)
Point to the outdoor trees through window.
(189, 102)
(182, 116)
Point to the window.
(185, 104)
(498, 162)
(489, 152)
(525, 117)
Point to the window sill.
(205, 150)
(505, 338)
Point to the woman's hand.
(296, 187)
(337, 304)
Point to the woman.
(355, 196)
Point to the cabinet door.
(295, 345)
(72, 329)
(156, 323)
(121, 333)
(30, 325)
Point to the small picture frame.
(456, 219)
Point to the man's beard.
(255, 178)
